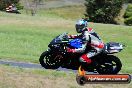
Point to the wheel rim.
(105, 68)
(52, 60)
(114, 66)
(109, 67)
(109, 64)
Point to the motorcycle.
(56, 56)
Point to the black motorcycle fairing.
(59, 43)
(63, 38)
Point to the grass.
(24, 38)
(30, 78)
(67, 12)
(11, 77)
(28, 33)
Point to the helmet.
(80, 25)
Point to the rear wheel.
(109, 65)
(50, 61)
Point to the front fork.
(61, 54)
(48, 50)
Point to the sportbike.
(57, 56)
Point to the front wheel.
(50, 61)
(109, 65)
(81, 80)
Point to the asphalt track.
(35, 66)
(29, 65)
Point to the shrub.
(128, 21)
(2, 5)
(128, 1)
(129, 8)
(128, 15)
(128, 12)
(103, 11)
(19, 6)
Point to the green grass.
(27, 37)
(24, 37)
(67, 12)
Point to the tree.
(32, 6)
(103, 11)
(128, 1)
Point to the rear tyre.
(109, 65)
(50, 61)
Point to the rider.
(90, 38)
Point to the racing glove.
(70, 50)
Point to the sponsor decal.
(83, 78)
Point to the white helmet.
(80, 25)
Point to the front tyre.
(81, 80)
(49, 60)
(109, 65)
